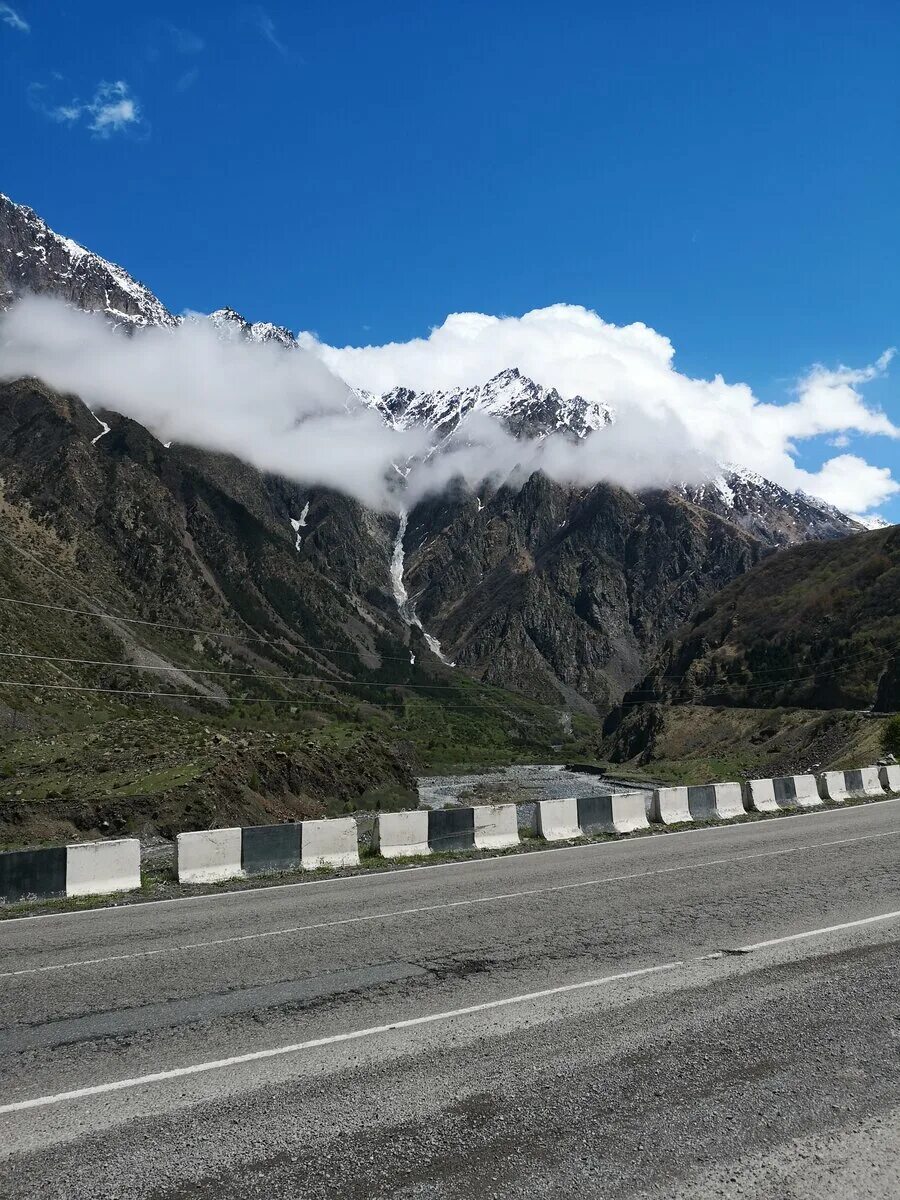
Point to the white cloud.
(631, 368)
(113, 108)
(10, 17)
(282, 412)
(293, 414)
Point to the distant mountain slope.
(564, 591)
(816, 626)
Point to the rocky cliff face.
(564, 592)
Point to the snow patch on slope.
(404, 605)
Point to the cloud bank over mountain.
(631, 368)
(294, 412)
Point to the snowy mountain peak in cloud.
(230, 323)
(525, 408)
(560, 370)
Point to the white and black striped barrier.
(850, 785)
(700, 802)
(79, 869)
(443, 830)
(889, 778)
(786, 791)
(216, 854)
(572, 817)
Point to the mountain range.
(557, 592)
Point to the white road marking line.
(449, 904)
(394, 872)
(335, 1039)
(809, 933)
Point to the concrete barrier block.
(670, 806)
(729, 801)
(715, 801)
(557, 820)
(401, 834)
(268, 848)
(889, 778)
(451, 829)
(850, 785)
(870, 782)
(97, 868)
(208, 855)
(806, 794)
(759, 796)
(331, 843)
(620, 812)
(39, 873)
(496, 826)
(832, 786)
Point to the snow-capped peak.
(231, 324)
(528, 409)
(35, 259)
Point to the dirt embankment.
(233, 780)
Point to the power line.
(248, 636)
(97, 662)
(63, 687)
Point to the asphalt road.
(307, 1041)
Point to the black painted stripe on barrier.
(785, 789)
(270, 848)
(594, 812)
(33, 873)
(702, 801)
(451, 829)
(853, 782)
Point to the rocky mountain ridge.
(35, 259)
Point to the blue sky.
(728, 174)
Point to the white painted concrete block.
(889, 778)
(832, 786)
(871, 784)
(759, 796)
(670, 806)
(496, 826)
(557, 820)
(208, 855)
(729, 801)
(628, 812)
(807, 792)
(97, 868)
(331, 843)
(401, 834)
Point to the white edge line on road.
(449, 904)
(392, 873)
(335, 1039)
(119, 1085)
(809, 933)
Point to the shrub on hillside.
(890, 736)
